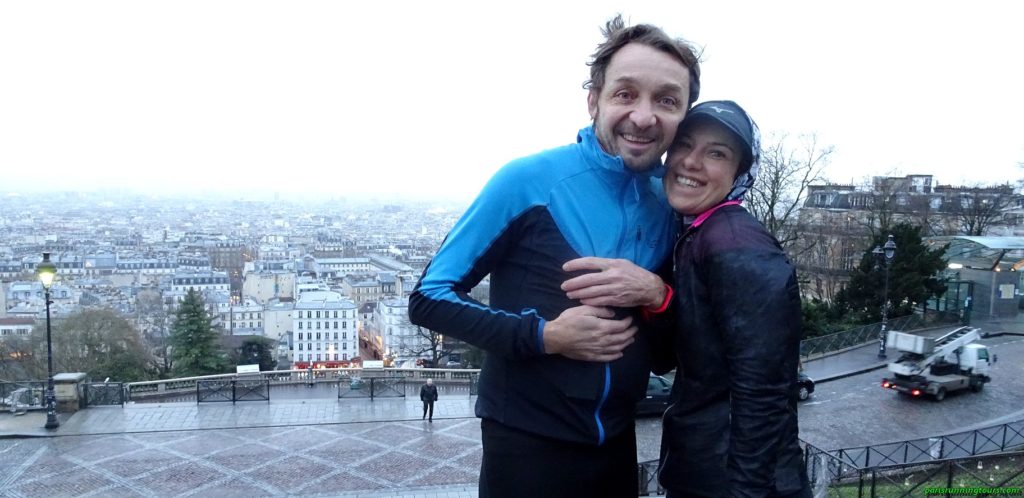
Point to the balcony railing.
(155, 389)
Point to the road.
(857, 411)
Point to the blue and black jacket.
(535, 214)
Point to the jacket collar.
(596, 155)
(692, 221)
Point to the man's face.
(643, 100)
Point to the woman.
(731, 428)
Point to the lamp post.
(884, 255)
(46, 271)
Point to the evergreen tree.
(913, 277)
(256, 350)
(194, 340)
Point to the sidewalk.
(334, 448)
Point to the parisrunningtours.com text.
(975, 491)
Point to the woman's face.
(701, 166)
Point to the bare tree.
(154, 322)
(926, 212)
(782, 184)
(429, 342)
(15, 351)
(879, 201)
(980, 208)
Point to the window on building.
(300, 346)
(344, 335)
(309, 314)
(318, 357)
(318, 313)
(318, 325)
(300, 328)
(318, 336)
(344, 356)
(335, 313)
(335, 336)
(344, 325)
(344, 345)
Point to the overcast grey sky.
(430, 98)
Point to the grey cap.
(736, 120)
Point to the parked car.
(656, 401)
(806, 386)
(658, 388)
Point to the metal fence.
(987, 475)
(22, 396)
(867, 333)
(161, 389)
(647, 476)
(101, 393)
(995, 439)
(373, 387)
(233, 390)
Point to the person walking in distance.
(428, 395)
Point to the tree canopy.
(98, 342)
(194, 340)
(256, 350)
(913, 276)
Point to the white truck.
(938, 366)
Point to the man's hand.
(588, 333)
(614, 282)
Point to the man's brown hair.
(618, 35)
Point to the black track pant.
(518, 464)
(428, 406)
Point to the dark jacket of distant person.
(428, 393)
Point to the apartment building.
(325, 331)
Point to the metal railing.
(373, 387)
(869, 333)
(647, 476)
(988, 475)
(233, 390)
(995, 439)
(156, 389)
(101, 393)
(22, 396)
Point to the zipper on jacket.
(639, 238)
(600, 403)
(624, 222)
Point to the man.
(428, 395)
(561, 380)
(732, 428)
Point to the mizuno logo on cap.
(720, 109)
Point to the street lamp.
(46, 271)
(884, 254)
